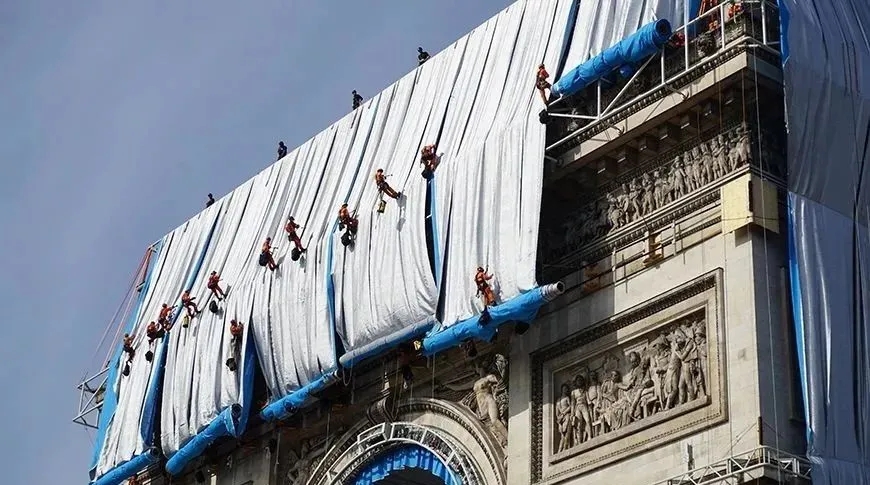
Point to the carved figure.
(697, 168)
(679, 179)
(614, 211)
(582, 422)
(302, 465)
(565, 416)
(659, 189)
(700, 363)
(603, 218)
(741, 151)
(720, 155)
(634, 196)
(659, 357)
(488, 396)
(637, 387)
(487, 405)
(707, 171)
(306, 461)
(648, 203)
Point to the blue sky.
(116, 119)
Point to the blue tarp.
(631, 50)
(825, 62)
(402, 458)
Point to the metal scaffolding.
(658, 74)
(91, 392)
(760, 462)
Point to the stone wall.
(630, 356)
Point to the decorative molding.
(646, 399)
(445, 415)
(655, 193)
(380, 438)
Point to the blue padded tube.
(221, 426)
(287, 405)
(127, 469)
(633, 49)
(403, 458)
(384, 344)
(522, 308)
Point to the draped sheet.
(477, 101)
(827, 79)
(301, 334)
(384, 283)
(492, 185)
(129, 431)
(197, 384)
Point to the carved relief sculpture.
(662, 372)
(488, 396)
(652, 190)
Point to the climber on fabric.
(189, 304)
(215, 287)
(154, 332)
(481, 279)
(282, 150)
(210, 201)
(236, 329)
(266, 258)
(357, 99)
(429, 160)
(384, 186)
(165, 312)
(128, 348)
(292, 236)
(541, 82)
(422, 56)
(346, 220)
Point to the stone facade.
(648, 194)
(614, 381)
(652, 373)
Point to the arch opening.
(405, 464)
(411, 476)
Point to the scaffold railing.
(703, 40)
(91, 392)
(737, 468)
